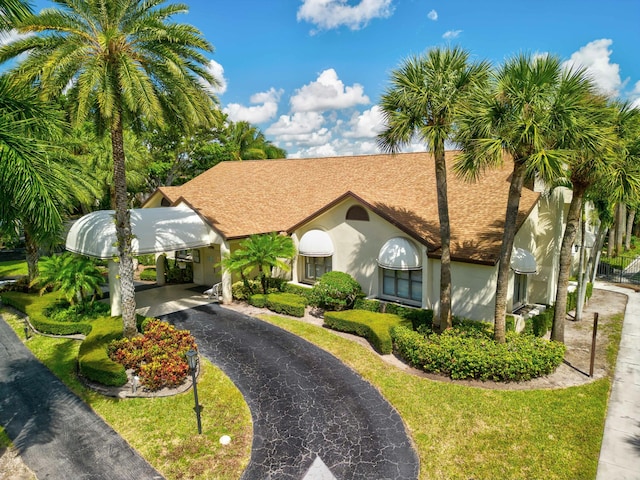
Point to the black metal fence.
(619, 269)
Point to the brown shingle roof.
(243, 198)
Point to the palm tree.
(75, 276)
(261, 253)
(590, 162)
(249, 143)
(12, 11)
(118, 61)
(531, 100)
(421, 101)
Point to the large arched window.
(401, 270)
(316, 248)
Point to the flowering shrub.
(157, 357)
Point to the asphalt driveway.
(56, 434)
(306, 405)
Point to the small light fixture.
(26, 332)
(192, 360)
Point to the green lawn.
(164, 430)
(471, 433)
(13, 268)
(460, 432)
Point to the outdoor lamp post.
(192, 360)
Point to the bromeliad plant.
(157, 357)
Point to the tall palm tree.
(250, 143)
(118, 61)
(531, 100)
(421, 101)
(590, 162)
(12, 11)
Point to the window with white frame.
(315, 267)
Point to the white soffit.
(399, 253)
(155, 230)
(523, 262)
(316, 243)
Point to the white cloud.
(634, 97)
(328, 92)
(264, 109)
(7, 37)
(215, 69)
(303, 128)
(328, 14)
(595, 57)
(366, 124)
(432, 15)
(450, 34)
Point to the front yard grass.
(13, 268)
(164, 429)
(463, 432)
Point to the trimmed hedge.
(93, 360)
(34, 306)
(284, 303)
(148, 275)
(418, 316)
(301, 290)
(287, 304)
(373, 326)
(462, 353)
(335, 291)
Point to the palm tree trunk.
(445, 240)
(123, 231)
(508, 237)
(573, 219)
(620, 224)
(612, 240)
(32, 254)
(630, 218)
(582, 274)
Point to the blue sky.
(309, 73)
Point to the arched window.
(357, 213)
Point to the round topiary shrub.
(335, 291)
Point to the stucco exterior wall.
(356, 246)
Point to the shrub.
(510, 323)
(243, 289)
(540, 324)
(93, 361)
(258, 300)
(420, 318)
(370, 305)
(462, 353)
(34, 306)
(157, 357)
(148, 260)
(335, 291)
(298, 290)
(373, 326)
(62, 311)
(286, 303)
(148, 275)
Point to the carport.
(155, 230)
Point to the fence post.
(593, 343)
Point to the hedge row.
(373, 326)
(460, 353)
(34, 306)
(417, 316)
(285, 303)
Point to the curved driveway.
(57, 435)
(305, 403)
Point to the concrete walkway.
(620, 452)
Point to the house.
(375, 217)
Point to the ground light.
(192, 360)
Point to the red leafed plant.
(157, 357)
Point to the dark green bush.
(148, 260)
(258, 300)
(463, 352)
(34, 306)
(373, 326)
(93, 360)
(510, 323)
(63, 311)
(370, 305)
(242, 290)
(540, 324)
(335, 291)
(286, 303)
(298, 290)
